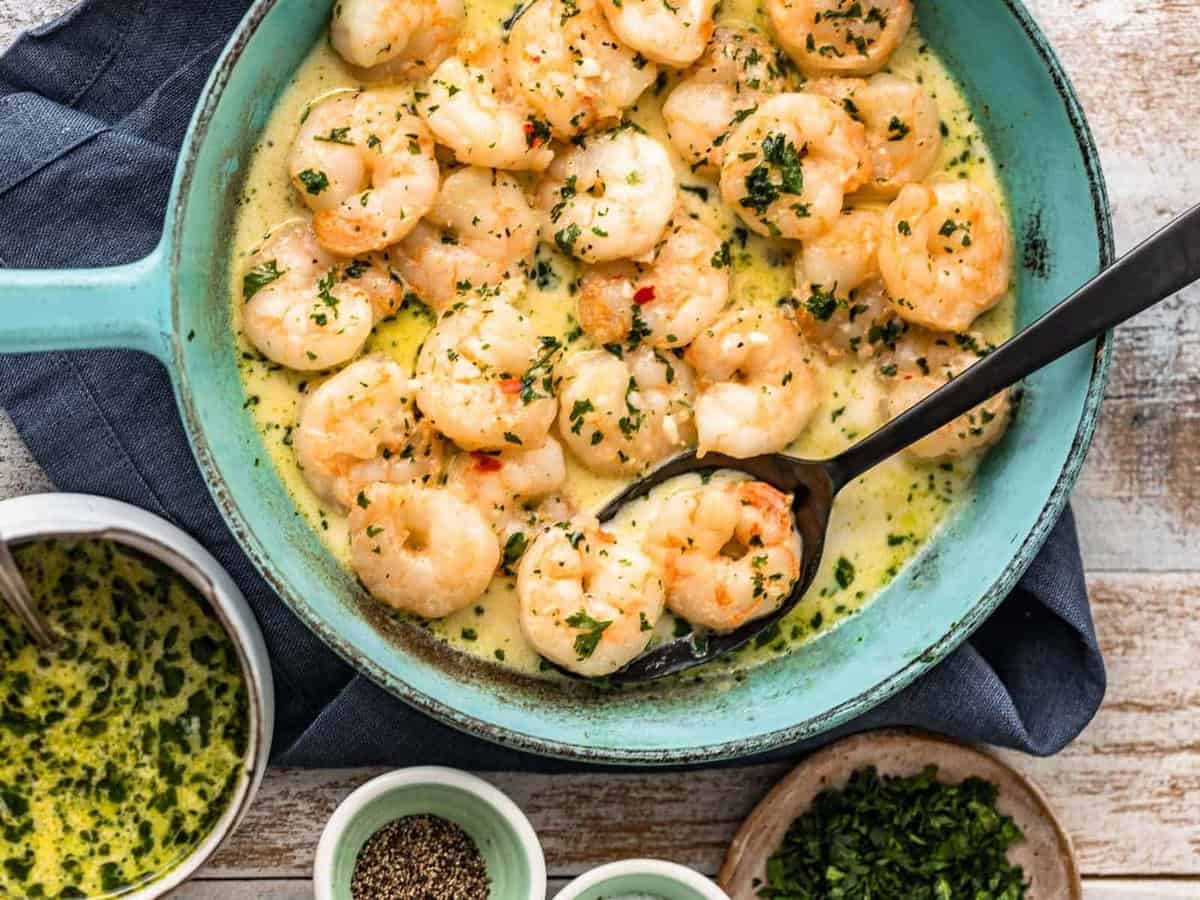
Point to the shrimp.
(571, 68)
(421, 549)
(861, 324)
(729, 553)
(922, 363)
(904, 127)
(403, 39)
(621, 414)
(610, 198)
(470, 107)
(477, 372)
(359, 427)
(739, 70)
(789, 166)
(366, 167)
(758, 388)
(673, 34)
(479, 234)
(946, 253)
(502, 485)
(844, 257)
(667, 299)
(302, 310)
(589, 601)
(841, 304)
(840, 37)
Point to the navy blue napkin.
(93, 108)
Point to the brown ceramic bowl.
(1046, 854)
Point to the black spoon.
(1160, 267)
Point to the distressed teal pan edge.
(174, 306)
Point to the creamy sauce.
(122, 748)
(878, 523)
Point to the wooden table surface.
(1129, 787)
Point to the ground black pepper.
(420, 858)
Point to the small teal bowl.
(499, 829)
(645, 879)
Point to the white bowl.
(650, 877)
(496, 824)
(42, 516)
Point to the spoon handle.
(1155, 270)
(16, 596)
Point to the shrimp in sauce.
(304, 310)
(668, 299)
(729, 553)
(840, 37)
(946, 254)
(589, 602)
(365, 166)
(790, 165)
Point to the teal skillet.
(173, 304)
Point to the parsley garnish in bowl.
(914, 837)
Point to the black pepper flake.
(420, 858)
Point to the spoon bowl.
(812, 486)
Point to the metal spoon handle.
(17, 597)
(1158, 268)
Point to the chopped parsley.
(591, 632)
(337, 136)
(537, 132)
(259, 277)
(514, 548)
(843, 573)
(914, 837)
(580, 409)
(821, 305)
(897, 130)
(565, 238)
(314, 181)
(538, 381)
(779, 155)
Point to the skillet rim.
(510, 738)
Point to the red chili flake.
(511, 385)
(485, 462)
(531, 137)
(644, 295)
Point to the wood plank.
(18, 15)
(1131, 59)
(1140, 889)
(294, 889)
(19, 474)
(1093, 889)
(1140, 474)
(297, 889)
(685, 817)
(1128, 789)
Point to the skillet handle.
(126, 307)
